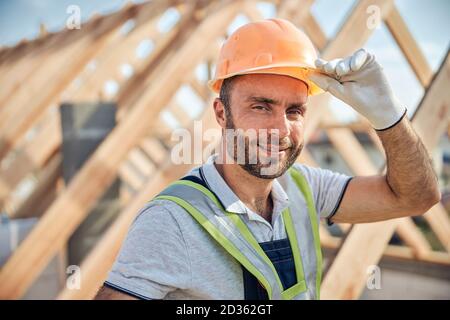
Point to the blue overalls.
(280, 253)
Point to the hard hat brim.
(297, 72)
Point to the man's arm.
(108, 293)
(409, 186)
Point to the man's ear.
(219, 111)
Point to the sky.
(428, 21)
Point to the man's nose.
(281, 126)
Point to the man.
(249, 229)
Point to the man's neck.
(254, 192)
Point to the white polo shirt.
(168, 255)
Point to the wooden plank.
(49, 137)
(437, 218)
(32, 155)
(43, 194)
(294, 10)
(23, 71)
(437, 118)
(409, 46)
(24, 51)
(154, 150)
(122, 51)
(359, 250)
(145, 74)
(179, 113)
(11, 80)
(356, 127)
(298, 12)
(67, 212)
(250, 10)
(354, 33)
(47, 59)
(412, 237)
(399, 252)
(351, 151)
(45, 86)
(130, 176)
(312, 28)
(141, 162)
(199, 88)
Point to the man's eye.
(260, 108)
(296, 112)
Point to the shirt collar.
(230, 200)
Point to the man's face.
(274, 107)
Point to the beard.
(256, 157)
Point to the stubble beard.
(270, 168)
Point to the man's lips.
(269, 148)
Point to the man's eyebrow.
(273, 101)
(298, 105)
(263, 100)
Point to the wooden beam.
(299, 12)
(18, 72)
(32, 154)
(43, 194)
(21, 72)
(12, 56)
(294, 10)
(437, 218)
(398, 252)
(153, 148)
(131, 176)
(49, 137)
(351, 151)
(145, 74)
(354, 33)
(67, 212)
(409, 46)
(312, 28)
(357, 126)
(45, 86)
(123, 51)
(438, 117)
(141, 162)
(413, 237)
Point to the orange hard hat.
(273, 46)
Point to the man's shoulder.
(163, 213)
(316, 176)
(309, 172)
(158, 209)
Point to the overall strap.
(304, 188)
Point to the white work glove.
(359, 81)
